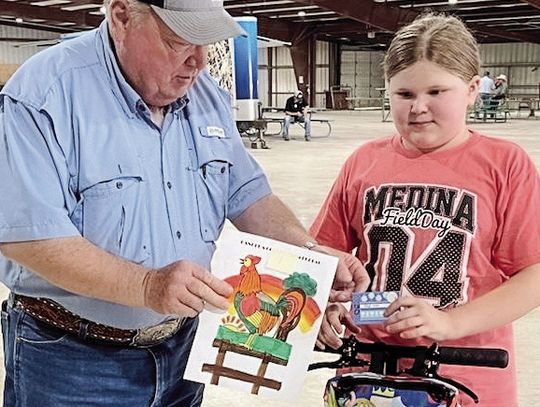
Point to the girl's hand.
(413, 318)
(336, 317)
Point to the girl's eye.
(435, 92)
(405, 95)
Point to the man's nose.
(198, 56)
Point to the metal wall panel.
(361, 71)
(9, 54)
(282, 56)
(262, 55)
(262, 87)
(513, 53)
(321, 85)
(323, 53)
(283, 79)
(284, 85)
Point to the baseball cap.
(502, 76)
(298, 93)
(199, 22)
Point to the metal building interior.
(333, 43)
(343, 24)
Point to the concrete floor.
(301, 174)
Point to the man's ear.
(119, 19)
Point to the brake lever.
(348, 352)
(428, 365)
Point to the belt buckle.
(156, 334)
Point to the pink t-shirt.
(445, 226)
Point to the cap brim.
(201, 27)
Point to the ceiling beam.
(534, 3)
(39, 26)
(269, 27)
(367, 12)
(392, 18)
(80, 18)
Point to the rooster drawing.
(259, 312)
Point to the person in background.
(120, 163)
(440, 213)
(501, 88)
(486, 88)
(296, 111)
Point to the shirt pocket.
(115, 215)
(212, 180)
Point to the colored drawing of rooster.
(259, 312)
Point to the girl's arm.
(413, 318)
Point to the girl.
(443, 214)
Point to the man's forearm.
(76, 265)
(270, 217)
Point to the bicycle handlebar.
(485, 357)
(384, 359)
(473, 357)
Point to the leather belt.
(52, 313)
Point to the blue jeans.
(297, 119)
(45, 367)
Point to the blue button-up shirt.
(80, 156)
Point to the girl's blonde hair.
(438, 38)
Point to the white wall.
(283, 79)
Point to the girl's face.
(429, 106)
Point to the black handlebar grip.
(473, 357)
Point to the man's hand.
(413, 318)
(184, 288)
(351, 276)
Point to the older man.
(120, 163)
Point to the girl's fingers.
(405, 324)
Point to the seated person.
(499, 94)
(501, 88)
(296, 110)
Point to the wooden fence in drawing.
(259, 380)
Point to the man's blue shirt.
(80, 156)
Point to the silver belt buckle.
(156, 334)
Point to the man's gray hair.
(137, 9)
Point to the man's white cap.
(502, 77)
(199, 22)
(298, 93)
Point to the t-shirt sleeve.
(289, 105)
(333, 226)
(517, 240)
(34, 175)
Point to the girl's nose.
(419, 105)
